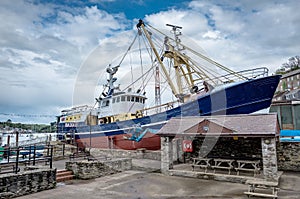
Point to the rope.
(143, 87)
(141, 61)
(138, 79)
(128, 49)
(202, 56)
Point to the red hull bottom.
(150, 142)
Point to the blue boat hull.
(242, 98)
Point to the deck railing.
(244, 75)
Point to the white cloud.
(254, 33)
(212, 35)
(41, 53)
(48, 50)
(191, 21)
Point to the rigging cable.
(137, 79)
(141, 62)
(202, 75)
(204, 57)
(146, 83)
(128, 49)
(131, 69)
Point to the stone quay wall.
(30, 181)
(94, 169)
(288, 155)
(116, 153)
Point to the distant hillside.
(40, 128)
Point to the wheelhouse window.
(123, 98)
(118, 99)
(105, 103)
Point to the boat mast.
(141, 25)
(157, 90)
(176, 63)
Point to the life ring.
(194, 89)
(138, 114)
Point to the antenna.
(174, 26)
(176, 33)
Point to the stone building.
(237, 137)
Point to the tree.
(293, 63)
(284, 87)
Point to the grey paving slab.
(138, 184)
(144, 185)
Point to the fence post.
(51, 156)
(29, 158)
(17, 160)
(48, 145)
(77, 148)
(8, 154)
(34, 149)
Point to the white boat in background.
(26, 139)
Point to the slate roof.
(250, 125)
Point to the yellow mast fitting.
(206, 58)
(141, 25)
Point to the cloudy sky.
(47, 46)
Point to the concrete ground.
(136, 184)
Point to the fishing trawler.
(198, 86)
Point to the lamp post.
(90, 129)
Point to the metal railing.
(13, 160)
(244, 75)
